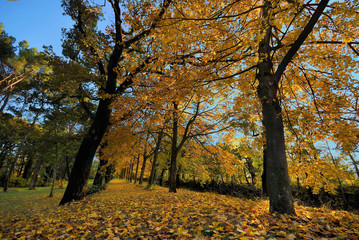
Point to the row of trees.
(210, 90)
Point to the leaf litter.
(128, 211)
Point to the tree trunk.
(277, 170)
(109, 173)
(22, 164)
(280, 196)
(277, 177)
(161, 177)
(99, 177)
(80, 173)
(245, 176)
(137, 164)
(145, 157)
(53, 178)
(6, 100)
(154, 162)
(354, 164)
(131, 169)
(264, 173)
(34, 174)
(98, 181)
(174, 152)
(27, 170)
(8, 175)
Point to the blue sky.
(37, 21)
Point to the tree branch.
(298, 43)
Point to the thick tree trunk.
(77, 185)
(174, 151)
(277, 170)
(154, 162)
(277, 177)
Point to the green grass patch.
(23, 201)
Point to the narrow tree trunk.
(137, 165)
(8, 175)
(34, 174)
(154, 162)
(22, 164)
(27, 169)
(354, 164)
(99, 177)
(109, 173)
(53, 176)
(131, 169)
(264, 173)
(22, 143)
(245, 176)
(161, 177)
(98, 181)
(174, 152)
(145, 157)
(6, 100)
(67, 167)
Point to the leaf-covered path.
(127, 211)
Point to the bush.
(17, 182)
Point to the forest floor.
(128, 211)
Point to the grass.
(17, 201)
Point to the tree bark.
(132, 163)
(161, 177)
(80, 173)
(174, 151)
(34, 174)
(277, 170)
(154, 162)
(8, 175)
(109, 173)
(98, 181)
(54, 175)
(27, 169)
(99, 177)
(280, 196)
(137, 165)
(264, 173)
(354, 164)
(145, 157)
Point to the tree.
(86, 19)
